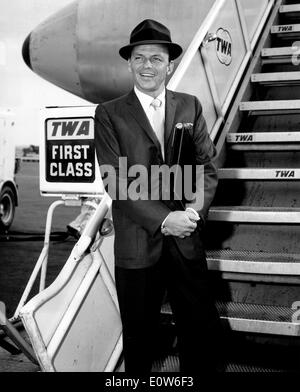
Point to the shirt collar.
(146, 99)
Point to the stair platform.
(286, 30)
(290, 10)
(251, 262)
(253, 318)
(263, 319)
(264, 215)
(264, 141)
(259, 174)
(280, 55)
(271, 107)
(263, 137)
(276, 78)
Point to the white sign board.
(68, 163)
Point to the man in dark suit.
(158, 243)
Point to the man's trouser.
(140, 295)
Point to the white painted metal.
(250, 267)
(263, 137)
(79, 249)
(280, 51)
(265, 106)
(72, 309)
(260, 26)
(212, 84)
(223, 80)
(264, 147)
(285, 29)
(107, 277)
(286, 9)
(91, 229)
(40, 262)
(115, 356)
(243, 20)
(255, 215)
(259, 174)
(74, 324)
(216, 128)
(47, 239)
(194, 45)
(66, 340)
(236, 82)
(275, 77)
(188, 59)
(264, 327)
(226, 68)
(280, 55)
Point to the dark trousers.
(140, 295)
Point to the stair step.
(280, 55)
(264, 215)
(264, 141)
(276, 78)
(263, 137)
(264, 319)
(280, 51)
(258, 174)
(286, 30)
(271, 107)
(251, 262)
(290, 10)
(170, 364)
(236, 367)
(167, 364)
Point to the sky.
(21, 90)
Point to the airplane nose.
(26, 51)
(72, 50)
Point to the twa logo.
(70, 128)
(224, 46)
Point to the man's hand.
(180, 224)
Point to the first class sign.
(70, 150)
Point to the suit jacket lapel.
(138, 113)
(169, 121)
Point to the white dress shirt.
(146, 101)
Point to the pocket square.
(185, 125)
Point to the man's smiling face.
(150, 65)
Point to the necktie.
(158, 122)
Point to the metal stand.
(42, 261)
(19, 343)
(9, 327)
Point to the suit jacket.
(122, 129)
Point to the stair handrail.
(194, 45)
(198, 41)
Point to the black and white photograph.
(149, 189)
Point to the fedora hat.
(151, 32)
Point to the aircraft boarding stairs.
(253, 232)
(254, 224)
